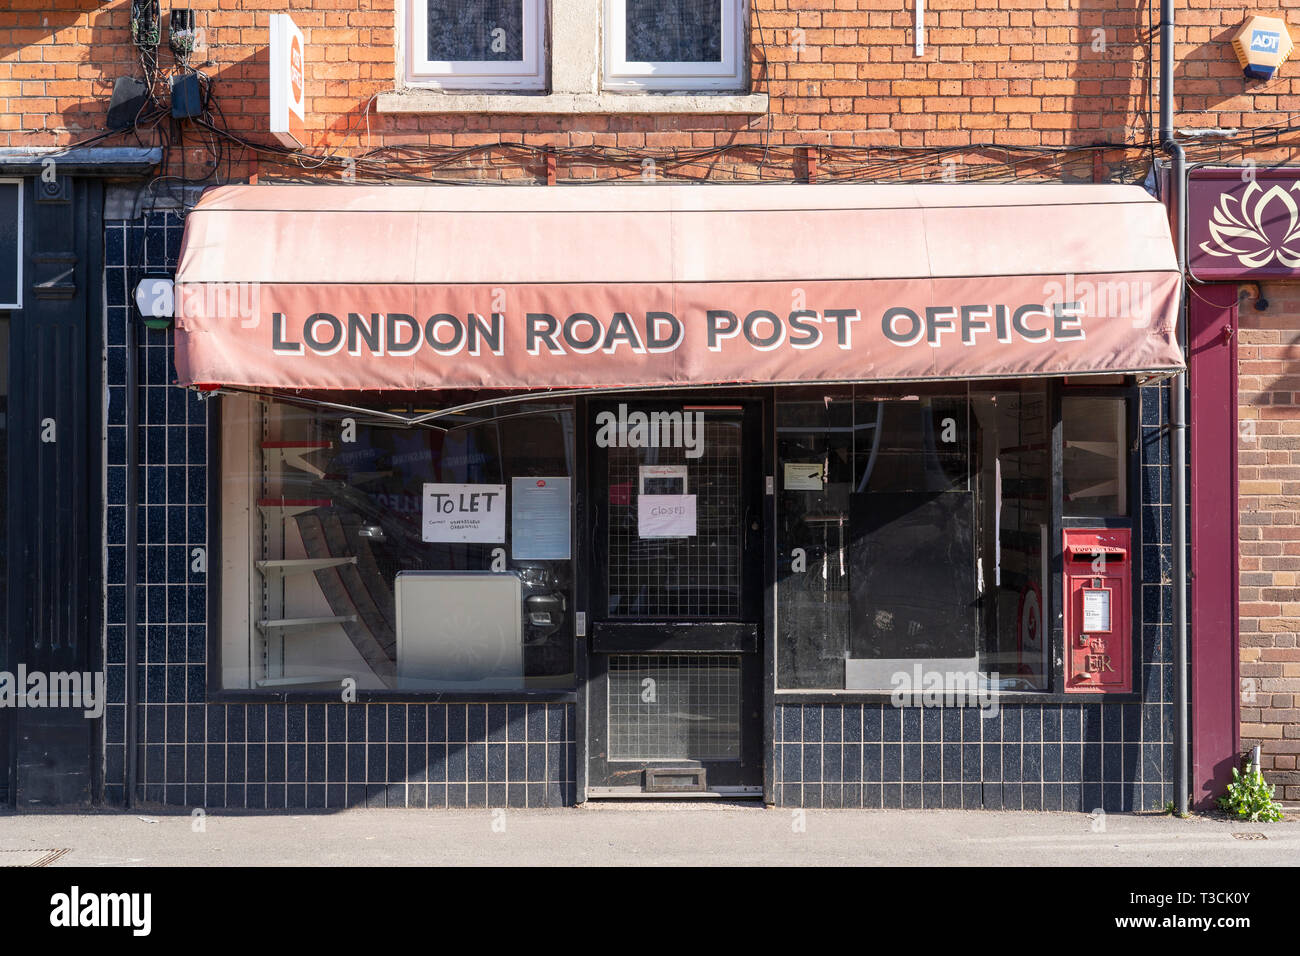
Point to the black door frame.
(754, 773)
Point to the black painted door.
(52, 514)
(676, 547)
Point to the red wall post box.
(1098, 610)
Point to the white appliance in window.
(459, 630)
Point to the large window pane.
(910, 531)
(1094, 471)
(483, 30)
(674, 31)
(815, 441)
(1014, 513)
(324, 513)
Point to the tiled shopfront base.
(1030, 757)
(255, 755)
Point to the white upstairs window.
(476, 44)
(674, 44)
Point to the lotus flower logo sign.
(1260, 227)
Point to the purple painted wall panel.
(1212, 368)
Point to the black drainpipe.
(1177, 405)
(132, 544)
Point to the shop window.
(911, 534)
(492, 44)
(400, 557)
(673, 44)
(1094, 467)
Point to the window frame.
(1057, 388)
(528, 74)
(218, 693)
(621, 74)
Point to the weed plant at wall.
(1249, 797)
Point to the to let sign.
(465, 513)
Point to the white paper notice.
(663, 480)
(539, 519)
(803, 476)
(666, 516)
(474, 513)
(1096, 610)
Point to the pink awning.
(427, 287)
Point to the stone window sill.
(436, 101)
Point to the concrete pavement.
(636, 833)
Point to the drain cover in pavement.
(1248, 836)
(29, 857)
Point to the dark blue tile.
(1071, 763)
(455, 764)
(1051, 763)
(891, 763)
(336, 723)
(1051, 724)
(932, 763)
(991, 770)
(872, 763)
(1072, 797)
(951, 756)
(951, 725)
(832, 723)
(1011, 766)
(396, 723)
(791, 763)
(1052, 797)
(852, 768)
(912, 761)
(476, 723)
(812, 764)
(396, 769)
(1011, 720)
(517, 763)
(912, 725)
(812, 723)
(853, 722)
(437, 723)
(833, 762)
(1031, 762)
(872, 722)
(791, 727)
(891, 724)
(295, 763)
(932, 725)
(1031, 796)
(376, 723)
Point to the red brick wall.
(1021, 73)
(1269, 467)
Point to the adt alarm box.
(1098, 610)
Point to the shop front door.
(674, 692)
